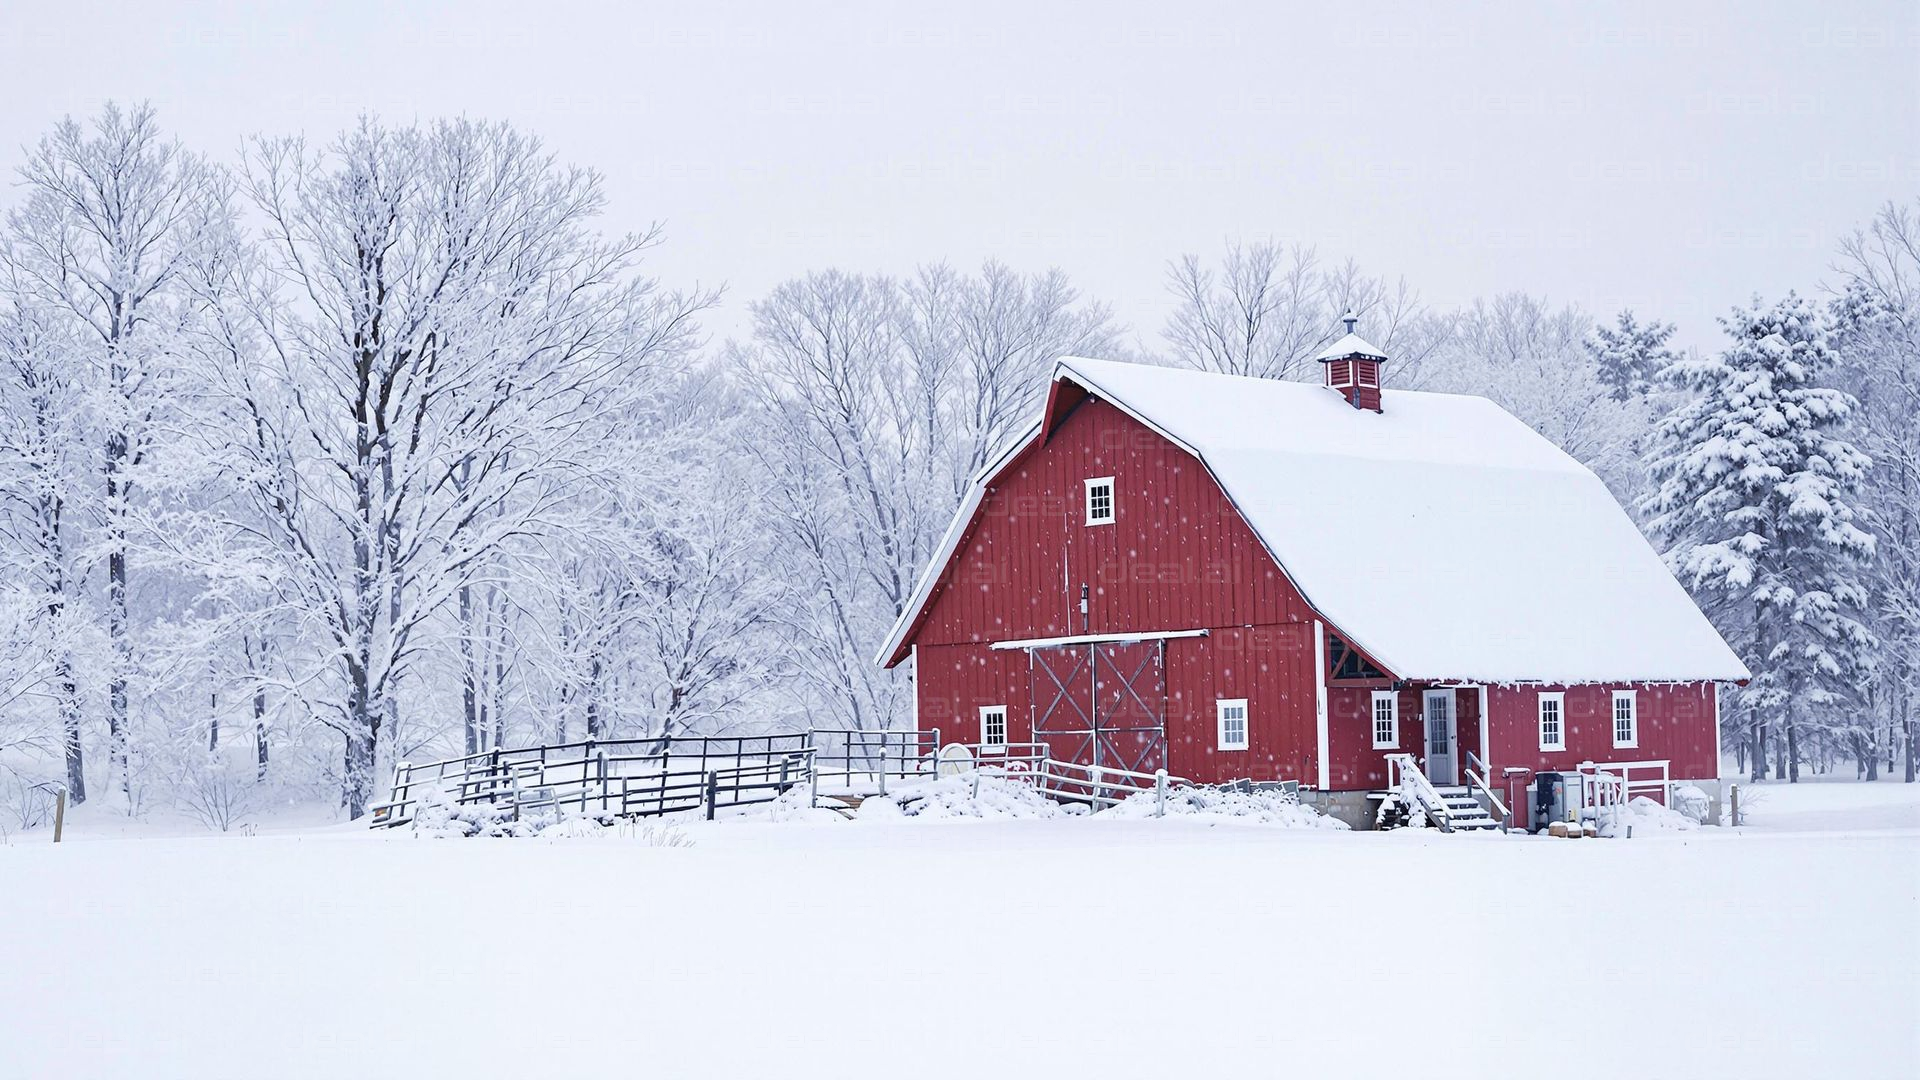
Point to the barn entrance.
(1102, 703)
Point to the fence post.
(713, 793)
(1733, 800)
(883, 763)
(1159, 793)
(601, 766)
(933, 754)
(59, 813)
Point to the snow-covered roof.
(1442, 536)
(1351, 345)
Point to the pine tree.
(1629, 356)
(1756, 498)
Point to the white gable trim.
(963, 517)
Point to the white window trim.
(985, 711)
(1632, 698)
(1540, 716)
(1392, 698)
(1220, 707)
(1113, 500)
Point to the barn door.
(1443, 757)
(1102, 704)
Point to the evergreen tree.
(1629, 356)
(1756, 499)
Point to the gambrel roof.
(1442, 536)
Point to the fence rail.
(627, 777)
(849, 757)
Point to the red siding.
(1178, 555)
(1675, 719)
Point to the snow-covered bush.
(437, 815)
(1692, 802)
(954, 797)
(1214, 805)
(1646, 817)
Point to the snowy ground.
(825, 948)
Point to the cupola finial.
(1350, 318)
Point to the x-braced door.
(1102, 704)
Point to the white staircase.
(1463, 810)
(1451, 809)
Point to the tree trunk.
(469, 675)
(70, 727)
(1758, 735)
(1793, 749)
(121, 648)
(594, 726)
(255, 664)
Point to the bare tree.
(111, 219)
(452, 347)
(1267, 309)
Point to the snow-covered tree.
(1757, 499)
(1269, 308)
(451, 349)
(1629, 355)
(45, 482)
(1877, 314)
(112, 217)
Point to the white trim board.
(1094, 639)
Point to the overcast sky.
(1674, 158)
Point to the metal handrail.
(1484, 781)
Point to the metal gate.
(1102, 704)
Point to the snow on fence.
(624, 777)
(847, 759)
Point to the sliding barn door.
(1102, 704)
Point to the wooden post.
(1733, 802)
(59, 814)
(713, 793)
(1159, 793)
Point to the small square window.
(1553, 721)
(993, 725)
(1386, 720)
(1626, 720)
(1100, 501)
(1233, 723)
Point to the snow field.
(960, 948)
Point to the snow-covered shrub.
(1691, 801)
(437, 815)
(1647, 817)
(1214, 805)
(954, 797)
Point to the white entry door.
(1443, 755)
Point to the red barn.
(1233, 578)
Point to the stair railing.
(1483, 779)
(1413, 783)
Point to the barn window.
(1626, 720)
(1100, 501)
(1553, 721)
(1345, 663)
(1386, 720)
(1233, 723)
(993, 725)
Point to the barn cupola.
(1353, 367)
